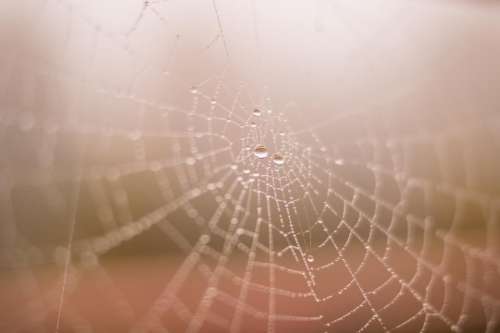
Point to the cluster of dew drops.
(261, 152)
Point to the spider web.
(364, 221)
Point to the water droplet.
(246, 171)
(194, 90)
(213, 102)
(282, 133)
(253, 124)
(260, 151)
(278, 159)
(257, 112)
(310, 258)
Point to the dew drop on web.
(278, 159)
(260, 151)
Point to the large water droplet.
(310, 258)
(257, 112)
(194, 90)
(278, 159)
(260, 151)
